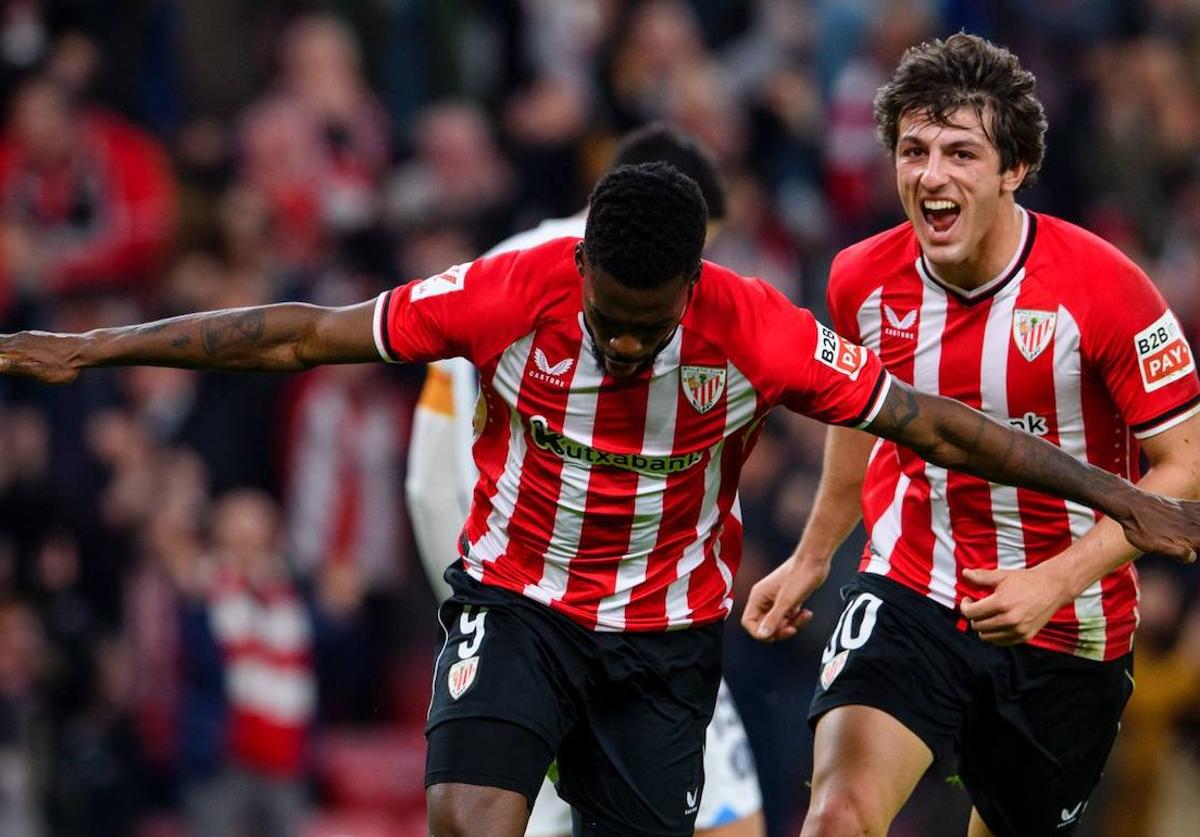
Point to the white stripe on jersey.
(579, 423)
(1068, 374)
(740, 402)
(507, 384)
(658, 439)
(870, 322)
(678, 611)
(993, 393)
(927, 378)
(886, 532)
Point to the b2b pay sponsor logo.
(839, 354)
(1163, 354)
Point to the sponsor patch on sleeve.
(1163, 354)
(839, 354)
(446, 282)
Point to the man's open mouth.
(940, 214)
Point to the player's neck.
(992, 258)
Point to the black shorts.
(624, 714)
(1026, 730)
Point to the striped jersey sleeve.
(472, 310)
(811, 369)
(1143, 356)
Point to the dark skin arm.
(269, 338)
(948, 433)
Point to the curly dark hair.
(658, 142)
(939, 77)
(646, 225)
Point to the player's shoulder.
(1071, 250)
(722, 292)
(742, 315)
(537, 271)
(1086, 271)
(866, 263)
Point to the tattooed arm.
(268, 338)
(951, 434)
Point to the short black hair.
(939, 77)
(646, 225)
(658, 142)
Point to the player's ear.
(1011, 179)
(580, 259)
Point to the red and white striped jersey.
(1072, 343)
(614, 501)
(266, 645)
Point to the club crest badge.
(462, 675)
(1032, 331)
(702, 386)
(833, 668)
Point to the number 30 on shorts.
(853, 628)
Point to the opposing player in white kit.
(442, 474)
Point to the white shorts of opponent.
(731, 789)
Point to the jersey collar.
(997, 283)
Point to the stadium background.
(211, 153)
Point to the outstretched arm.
(268, 338)
(953, 435)
(1023, 601)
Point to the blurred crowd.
(211, 615)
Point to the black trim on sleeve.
(1165, 417)
(866, 411)
(384, 337)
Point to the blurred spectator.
(97, 787)
(85, 198)
(23, 722)
(317, 146)
(858, 178)
(346, 526)
(457, 175)
(248, 640)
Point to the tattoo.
(153, 328)
(181, 341)
(902, 413)
(243, 328)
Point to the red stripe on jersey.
(540, 475)
(1045, 525)
(684, 494)
(915, 547)
(490, 452)
(899, 316)
(712, 588)
(969, 498)
(1119, 592)
(610, 498)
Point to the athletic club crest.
(702, 386)
(1032, 331)
(833, 668)
(462, 675)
